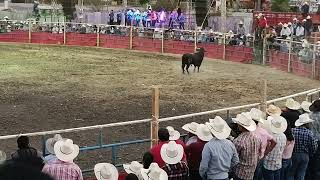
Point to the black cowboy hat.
(315, 106)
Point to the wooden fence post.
(64, 32)
(314, 61)
(130, 45)
(224, 46)
(195, 40)
(263, 106)
(155, 116)
(264, 50)
(162, 41)
(30, 31)
(98, 35)
(289, 59)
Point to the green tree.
(69, 7)
(143, 2)
(280, 6)
(201, 8)
(169, 5)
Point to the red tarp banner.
(46, 38)
(278, 60)
(239, 54)
(15, 36)
(114, 41)
(81, 39)
(178, 47)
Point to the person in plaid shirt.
(248, 147)
(305, 147)
(273, 161)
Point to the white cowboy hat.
(295, 19)
(245, 120)
(51, 141)
(304, 20)
(303, 119)
(154, 173)
(277, 124)
(171, 152)
(289, 23)
(65, 150)
(134, 167)
(174, 134)
(204, 133)
(6, 17)
(3, 157)
(273, 110)
(106, 171)
(305, 106)
(308, 17)
(241, 22)
(285, 25)
(191, 127)
(257, 115)
(280, 23)
(219, 128)
(292, 104)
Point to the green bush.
(280, 6)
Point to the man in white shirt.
(285, 32)
(300, 31)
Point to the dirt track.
(48, 87)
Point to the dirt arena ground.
(49, 87)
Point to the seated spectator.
(133, 168)
(172, 154)
(131, 177)
(194, 151)
(50, 148)
(64, 167)
(219, 155)
(241, 30)
(106, 171)
(147, 160)
(27, 154)
(154, 172)
(291, 113)
(3, 157)
(285, 32)
(11, 170)
(191, 128)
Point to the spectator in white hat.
(305, 105)
(64, 167)
(299, 30)
(241, 31)
(154, 172)
(291, 113)
(285, 32)
(50, 148)
(191, 128)
(219, 155)
(106, 171)
(133, 168)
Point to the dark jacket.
(29, 156)
(291, 116)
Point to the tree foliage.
(280, 6)
(168, 5)
(143, 2)
(201, 8)
(68, 7)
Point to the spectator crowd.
(278, 145)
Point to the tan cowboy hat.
(65, 150)
(51, 141)
(154, 173)
(106, 171)
(171, 152)
(292, 104)
(219, 128)
(257, 115)
(174, 134)
(245, 120)
(3, 157)
(204, 133)
(191, 127)
(134, 167)
(303, 119)
(273, 110)
(305, 105)
(277, 124)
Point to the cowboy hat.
(273, 110)
(308, 17)
(3, 157)
(289, 23)
(219, 128)
(106, 171)
(292, 104)
(257, 115)
(65, 150)
(154, 173)
(315, 106)
(51, 141)
(174, 134)
(171, 152)
(191, 127)
(241, 22)
(134, 167)
(245, 120)
(204, 133)
(295, 19)
(277, 124)
(305, 105)
(285, 25)
(303, 119)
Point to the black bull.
(194, 59)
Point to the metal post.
(64, 32)
(114, 154)
(43, 140)
(223, 9)
(130, 45)
(30, 30)
(264, 51)
(100, 137)
(289, 59)
(263, 106)
(155, 115)
(195, 40)
(98, 35)
(314, 62)
(228, 115)
(162, 41)
(224, 46)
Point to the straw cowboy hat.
(174, 134)
(305, 105)
(273, 110)
(171, 152)
(219, 128)
(191, 127)
(315, 106)
(3, 157)
(277, 124)
(204, 133)
(292, 104)
(154, 173)
(134, 167)
(65, 150)
(257, 115)
(303, 119)
(51, 141)
(106, 171)
(245, 120)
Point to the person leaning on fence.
(304, 149)
(50, 148)
(64, 168)
(291, 113)
(272, 163)
(219, 155)
(285, 32)
(191, 128)
(247, 145)
(133, 168)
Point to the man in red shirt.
(163, 135)
(262, 24)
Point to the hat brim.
(175, 136)
(277, 113)
(144, 174)
(64, 157)
(299, 123)
(186, 127)
(251, 127)
(224, 134)
(128, 170)
(98, 167)
(170, 160)
(294, 106)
